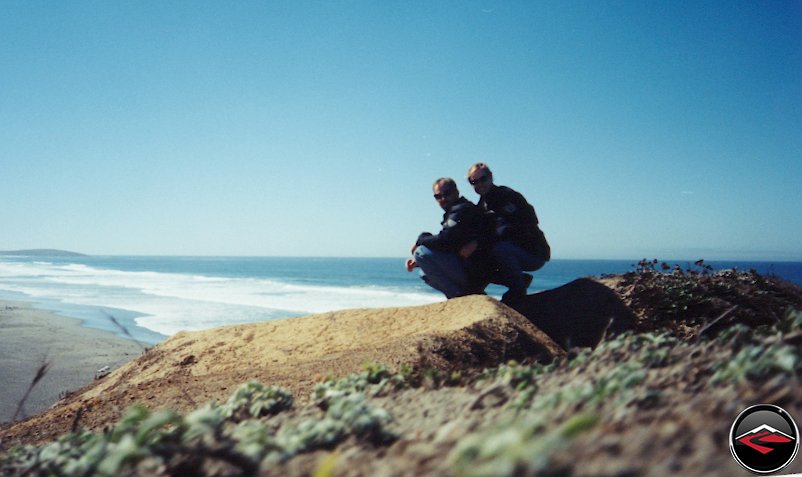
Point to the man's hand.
(411, 265)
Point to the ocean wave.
(172, 302)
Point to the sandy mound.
(192, 368)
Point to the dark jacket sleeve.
(460, 226)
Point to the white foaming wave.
(263, 293)
(169, 316)
(16, 269)
(173, 302)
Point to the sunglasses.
(443, 194)
(479, 180)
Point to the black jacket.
(515, 220)
(463, 223)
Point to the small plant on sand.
(376, 380)
(792, 321)
(254, 399)
(617, 387)
(522, 447)
(234, 435)
(760, 353)
(517, 375)
(591, 380)
(757, 362)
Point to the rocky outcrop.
(578, 314)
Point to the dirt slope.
(192, 368)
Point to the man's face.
(481, 180)
(445, 195)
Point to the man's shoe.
(512, 297)
(515, 295)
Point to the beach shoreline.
(31, 338)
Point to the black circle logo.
(764, 439)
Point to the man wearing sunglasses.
(453, 260)
(518, 243)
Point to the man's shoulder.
(464, 208)
(501, 194)
(508, 194)
(507, 191)
(462, 204)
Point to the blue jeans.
(512, 261)
(442, 271)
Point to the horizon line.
(52, 252)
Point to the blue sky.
(636, 128)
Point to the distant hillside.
(42, 252)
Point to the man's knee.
(506, 254)
(510, 256)
(537, 264)
(427, 259)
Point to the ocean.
(151, 298)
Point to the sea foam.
(170, 302)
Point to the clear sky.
(636, 128)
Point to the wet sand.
(30, 338)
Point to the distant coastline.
(41, 252)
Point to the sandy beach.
(30, 337)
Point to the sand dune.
(192, 368)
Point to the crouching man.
(453, 261)
(519, 245)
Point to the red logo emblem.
(761, 438)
